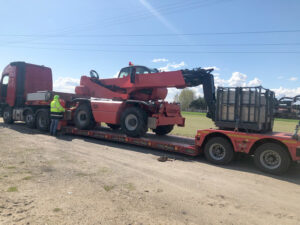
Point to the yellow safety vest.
(56, 107)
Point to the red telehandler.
(135, 100)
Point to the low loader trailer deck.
(273, 152)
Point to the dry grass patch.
(12, 189)
(108, 187)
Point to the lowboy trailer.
(273, 152)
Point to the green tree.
(199, 103)
(185, 98)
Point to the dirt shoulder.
(74, 180)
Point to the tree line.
(188, 100)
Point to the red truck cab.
(19, 79)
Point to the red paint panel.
(163, 120)
(91, 89)
(107, 111)
(163, 79)
(37, 78)
(151, 80)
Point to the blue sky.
(73, 37)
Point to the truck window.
(142, 70)
(5, 80)
(124, 72)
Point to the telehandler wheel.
(163, 130)
(272, 158)
(43, 120)
(134, 122)
(113, 126)
(218, 150)
(84, 118)
(30, 119)
(7, 115)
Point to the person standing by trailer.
(56, 114)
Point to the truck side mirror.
(132, 75)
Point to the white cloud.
(170, 66)
(171, 94)
(293, 78)
(66, 84)
(289, 92)
(116, 75)
(237, 79)
(254, 82)
(160, 60)
(212, 67)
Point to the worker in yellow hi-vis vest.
(56, 113)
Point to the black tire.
(113, 126)
(30, 119)
(134, 122)
(84, 118)
(7, 115)
(163, 130)
(219, 150)
(43, 120)
(272, 158)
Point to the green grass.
(11, 167)
(108, 187)
(193, 113)
(103, 170)
(197, 121)
(27, 178)
(81, 174)
(130, 186)
(12, 189)
(56, 209)
(193, 121)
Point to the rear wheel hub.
(131, 122)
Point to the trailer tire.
(272, 158)
(7, 115)
(43, 120)
(113, 126)
(219, 150)
(84, 118)
(134, 122)
(163, 130)
(30, 119)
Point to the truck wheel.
(84, 118)
(162, 130)
(30, 119)
(272, 158)
(113, 126)
(134, 122)
(7, 115)
(219, 151)
(43, 120)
